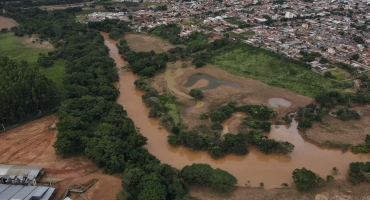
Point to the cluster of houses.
(287, 27)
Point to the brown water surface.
(256, 167)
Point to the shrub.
(217, 126)
(196, 94)
(305, 179)
(203, 116)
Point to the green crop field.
(272, 69)
(14, 48)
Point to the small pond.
(213, 83)
(276, 102)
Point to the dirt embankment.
(6, 22)
(31, 144)
(250, 92)
(342, 132)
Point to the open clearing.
(6, 22)
(250, 92)
(141, 42)
(31, 144)
(260, 65)
(342, 132)
(22, 48)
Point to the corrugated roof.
(11, 192)
(16, 170)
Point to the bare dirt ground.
(31, 144)
(142, 42)
(250, 92)
(36, 44)
(342, 132)
(338, 190)
(6, 22)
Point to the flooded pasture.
(255, 167)
(276, 102)
(213, 83)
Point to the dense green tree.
(222, 180)
(305, 179)
(197, 173)
(23, 91)
(196, 94)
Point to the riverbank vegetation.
(236, 144)
(328, 101)
(91, 123)
(359, 172)
(204, 174)
(363, 148)
(162, 106)
(305, 179)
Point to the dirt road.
(31, 144)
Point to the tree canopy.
(23, 91)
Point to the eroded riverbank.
(255, 167)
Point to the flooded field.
(213, 83)
(276, 102)
(255, 167)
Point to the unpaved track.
(32, 144)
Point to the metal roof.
(11, 192)
(17, 170)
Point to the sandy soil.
(141, 42)
(338, 131)
(6, 22)
(250, 92)
(338, 190)
(44, 45)
(31, 144)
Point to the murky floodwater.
(213, 83)
(276, 102)
(255, 167)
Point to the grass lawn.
(262, 65)
(14, 48)
(340, 74)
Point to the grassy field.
(15, 48)
(265, 66)
(340, 74)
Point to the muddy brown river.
(255, 167)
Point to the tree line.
(23, 91)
